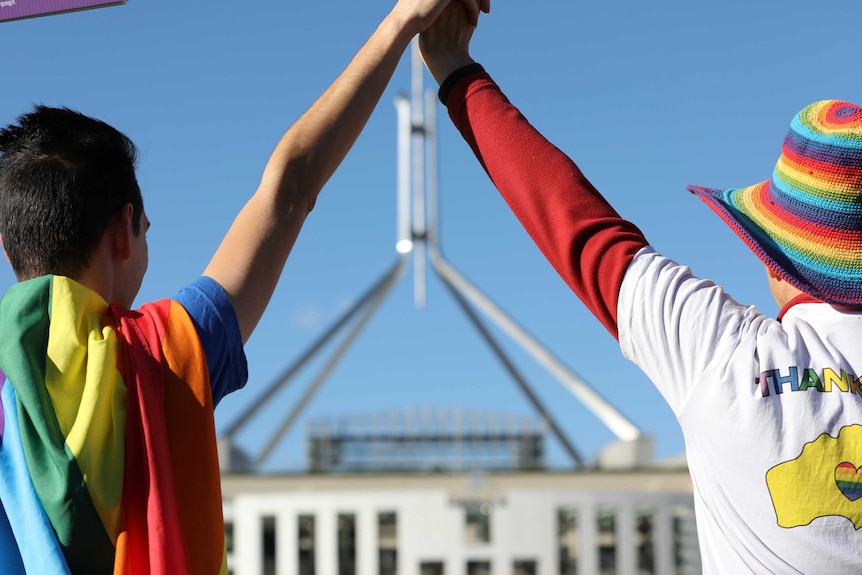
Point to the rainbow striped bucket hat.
(806, 222)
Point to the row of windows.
(519, 567)
(642, 539)
(478, 531)
(386, 543)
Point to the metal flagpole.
(417, 231)
(418, 171)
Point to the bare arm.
(252, 255)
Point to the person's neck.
(99, 274)
(800, 298)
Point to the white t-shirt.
(771, 413)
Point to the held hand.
(249, 261)
(420, 14)
(445, 45)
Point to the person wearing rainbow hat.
(108, 459)
(771, 409)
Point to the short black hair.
(63, 176)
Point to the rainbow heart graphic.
(848, 478)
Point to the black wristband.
(452, 79)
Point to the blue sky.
(646, 97)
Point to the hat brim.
(745, 211)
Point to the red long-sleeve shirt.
(583, 237)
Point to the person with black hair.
(108, 459)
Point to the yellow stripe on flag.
(88, 392)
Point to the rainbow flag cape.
(108, 460)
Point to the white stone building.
(495, 523)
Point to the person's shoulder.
(204, 294)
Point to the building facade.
(638, 522)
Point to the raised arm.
(582, 236)
(251, 257)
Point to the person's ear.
(122, 232)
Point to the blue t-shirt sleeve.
(215, 320)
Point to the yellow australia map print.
(825, 480)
